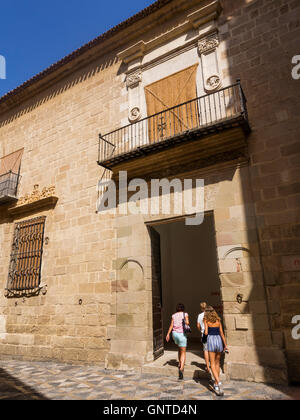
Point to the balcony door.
(179, 88)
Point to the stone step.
(167, 365)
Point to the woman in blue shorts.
(178, 335)
(216, 344)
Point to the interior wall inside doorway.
(189, 269)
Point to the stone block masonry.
(261, 39)
(97, 305)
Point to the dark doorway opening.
(184, 270)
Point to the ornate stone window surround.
(143, 56)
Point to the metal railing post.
(243, 100)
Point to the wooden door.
(167, 93)
(158, 339)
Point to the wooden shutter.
(173, 90)
(26, 256)
(11, 162)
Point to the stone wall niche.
(129, 344)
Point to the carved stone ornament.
(37, 195)
(133, 79)
(134, 114)
(212, 83)
(209, 44)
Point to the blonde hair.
(203, 306)
(211, 315)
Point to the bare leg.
(206, 357)
(212, 357)
(217, 363)
(182, 358)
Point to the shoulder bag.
(186, 328)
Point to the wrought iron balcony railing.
(9, 183)
(204, 115)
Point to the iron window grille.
(26, 256)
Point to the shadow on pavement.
(13, 389)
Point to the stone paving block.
(76, 382)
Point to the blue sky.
(36, 33)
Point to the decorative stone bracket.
(208, 44)
(35, 201)
(133, 79)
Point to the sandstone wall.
(256, 212)
(59, 132)
(261, 38)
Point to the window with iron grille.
(26, 256)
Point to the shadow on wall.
(13, 389)
(110, 196)
(261, 38)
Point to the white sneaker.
(217, 389)
(220, 385)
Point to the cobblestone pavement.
(54, 381)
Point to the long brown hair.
(211, 315)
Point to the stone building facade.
(84, 287)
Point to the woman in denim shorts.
(178, 335)
(216, 344)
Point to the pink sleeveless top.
(177, 320)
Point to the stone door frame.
(174, 219)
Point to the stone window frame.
(24, 275)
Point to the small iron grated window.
(26, 255)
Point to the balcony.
(193, 134)
(9, 183)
